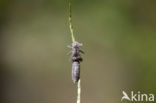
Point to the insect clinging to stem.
(76, 59)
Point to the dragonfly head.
(76, 44)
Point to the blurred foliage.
(119, 40)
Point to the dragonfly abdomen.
(75, 71)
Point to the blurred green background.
(118, 36)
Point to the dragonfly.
(75, 59)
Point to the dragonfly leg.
(69, 46)
(69, 52)
(81, 51)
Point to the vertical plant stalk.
(73, 40)
(70, 24)
(79, 91)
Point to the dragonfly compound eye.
(76, 44)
